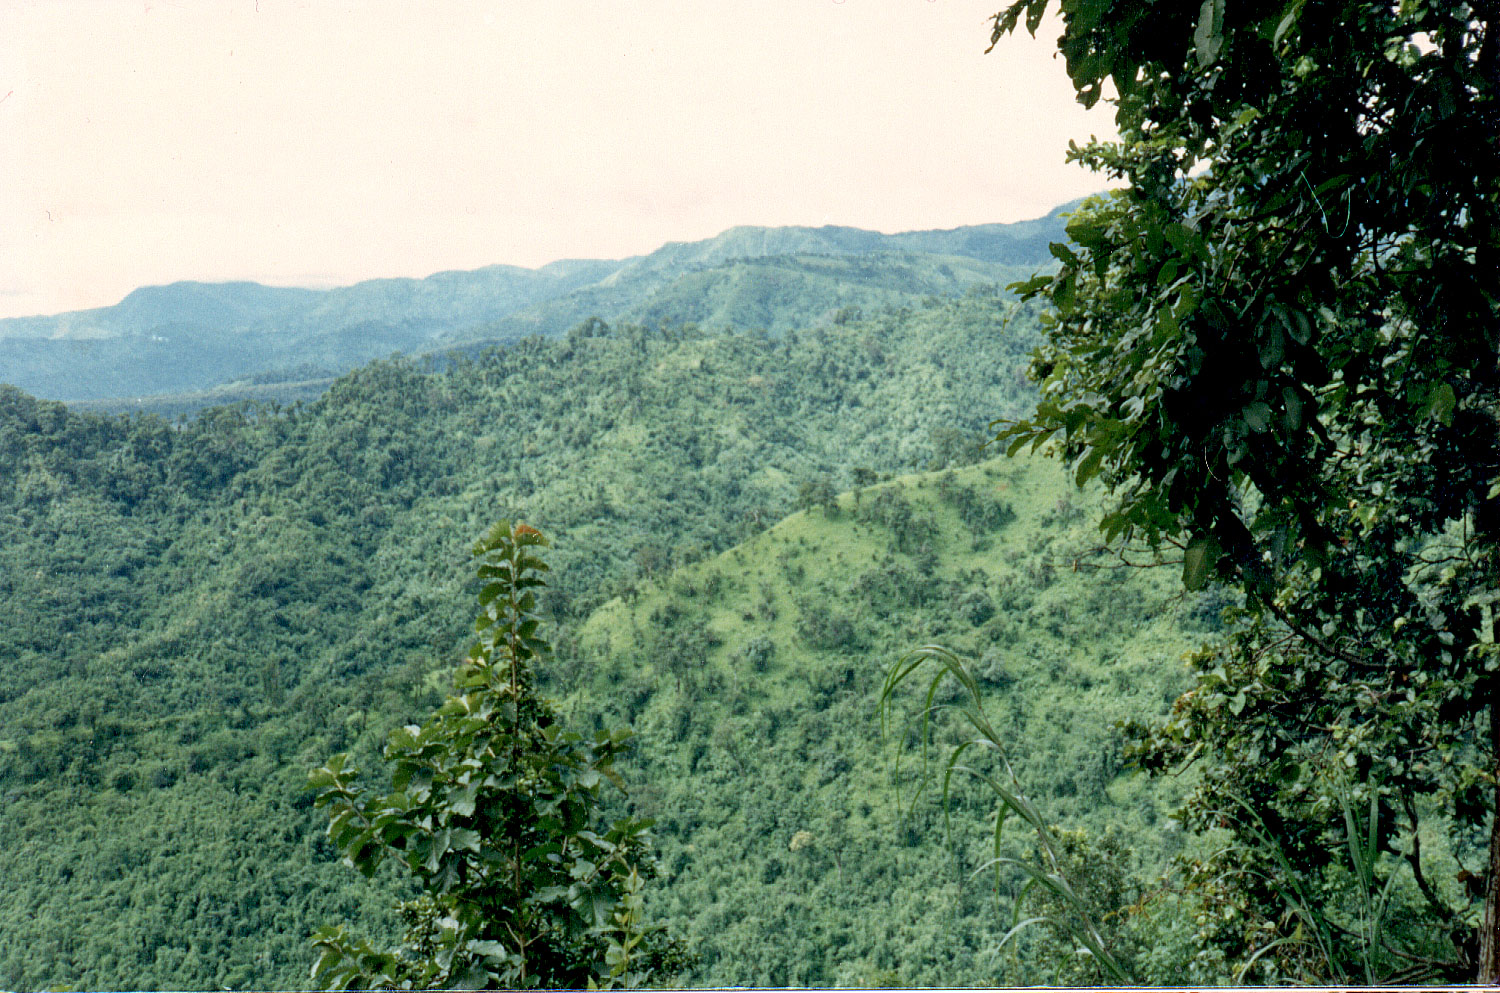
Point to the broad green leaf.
(1168, 272)
(1441, 402)
(1028, 288)
(1258, 416)
(1035, 9)
(1063, 291)
(461, 800)
(1208, 37)
(1292, 403)
(1299, 326)
(328, 958)
(1199, 561)
(1271, 347)
(320, 778)
(1090, 465)
(1289, 18)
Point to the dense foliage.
(1277, 345)
(197, 614)
(493, 810)
(753, 680)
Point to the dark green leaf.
(1208, 37)
(1089, 467)
(1199, 562)
(1258, 416)
(1441, 402)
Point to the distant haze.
(315, 144)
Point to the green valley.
(1103, 599)
(747, 531)
(197, 615)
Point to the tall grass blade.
(1079, 921)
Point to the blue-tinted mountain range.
(192, 337)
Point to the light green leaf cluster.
(494, 812)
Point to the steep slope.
(783, 292)
(753, 678)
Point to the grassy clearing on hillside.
(752, 679)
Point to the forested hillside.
(753, 679)
(198, 614)
(223, 342)
(1233, 672)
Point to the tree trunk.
(1489, 936)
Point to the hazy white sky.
(319, 143)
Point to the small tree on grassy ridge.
(493, 809)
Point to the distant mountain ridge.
(1019, 243)
(194, 336)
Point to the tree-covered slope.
(195, 614)
(192, 337)
(785, 292)
(753, 679)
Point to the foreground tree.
(1277, 345)
(494, 811)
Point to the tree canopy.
(197, 613)
(494, 811)
(1277, 346)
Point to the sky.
(303, 143)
